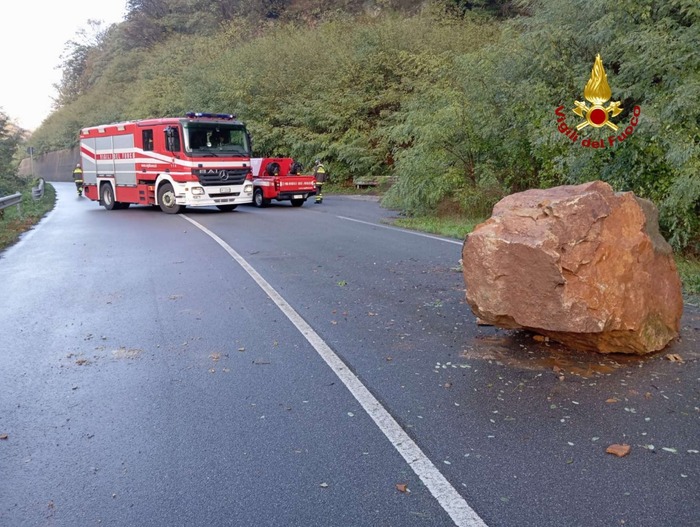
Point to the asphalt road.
(311, 367)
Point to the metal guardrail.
(373, 181)
(16, 198)
(38, 191)
(8, 201)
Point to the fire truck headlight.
(248, 188)
(197, 191)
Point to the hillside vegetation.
(455, 99)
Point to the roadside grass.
(689, 269)
(450, 227)
(14, 222)
(688, 266)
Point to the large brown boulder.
(580, 264)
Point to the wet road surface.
(179, 370)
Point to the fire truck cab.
(198, 160)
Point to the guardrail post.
(38, 191)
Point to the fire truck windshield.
(216, 139)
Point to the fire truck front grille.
(234, 176)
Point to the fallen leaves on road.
(4, 437)
(674, 357)
(618, 450)
(402, 487)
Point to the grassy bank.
(16, 221)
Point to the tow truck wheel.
(226, 208)
(107, 196)
(166, 199)
(259, 199)
(298, 202)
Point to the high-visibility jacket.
(320, 173)
(78, 173)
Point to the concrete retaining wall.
(54, 166)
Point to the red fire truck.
(198, 160)
(278, 178)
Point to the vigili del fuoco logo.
(597, 92)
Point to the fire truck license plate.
(225, 190)
(298, 196)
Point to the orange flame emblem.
(597, 92)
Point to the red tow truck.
(278, 178)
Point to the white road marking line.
(456, 242)
(450, 500)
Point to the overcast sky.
(34, 34)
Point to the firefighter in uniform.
(320, 174)
(78, 179)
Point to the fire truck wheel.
(166, 199)
(259, 199)
(226, 208)
(298, 202)
(107, 196)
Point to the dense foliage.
(10, 141)
(454, 98)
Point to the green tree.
(10, 140)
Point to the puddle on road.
(525, 350)
(519, 349)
